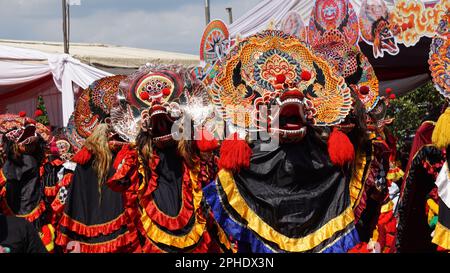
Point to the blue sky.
(173, 25)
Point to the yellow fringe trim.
(395, 175)
(264, 230)
(356, 183)
(441, 236)
(375, 235)
(389, 206)
(51, 246)
(223, 238)
(434, 207)
(160, 236)
(194, 235)
(441, 133)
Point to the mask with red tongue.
(377, 29)
(289, 112)
(159, 119)
(271, 82)
(155, 101)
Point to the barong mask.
(272, 82)
(214, 45)
(93, 108)
(293, 24)
(23, 132)
(156, 99)
(350, 63)
(23, 136)
(333, 15)
(439, 59)
(376, 29)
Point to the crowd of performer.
(319, 172)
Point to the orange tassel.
(340, 148)
(205, 141)
(234, 154)
(82, 157)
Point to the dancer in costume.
(290, 197)
(368, 187)
(92, 217)
(375, 207)
(418, 199)
(57, 164)
(22, 175)
(161, 173)
(424, 203)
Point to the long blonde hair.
(145, 149)
(97, 144)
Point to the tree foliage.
(42, 115)
(409, 111)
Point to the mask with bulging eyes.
(272, 82)
(158, 120)
(153, 100)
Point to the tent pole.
(68, 28)
(230, 15)
(64, 13)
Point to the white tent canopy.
(27, 69)
(109, 56)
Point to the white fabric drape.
(18, 66)
(12, 73)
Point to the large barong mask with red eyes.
(154, 98)
(272, 79)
